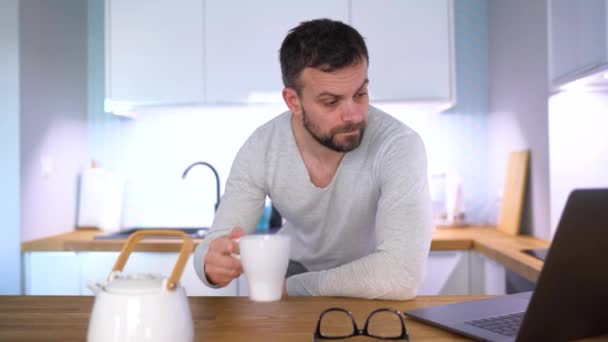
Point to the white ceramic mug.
(265, 258)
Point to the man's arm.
(403, 233)
(240, 206)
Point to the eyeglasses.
(339, 323)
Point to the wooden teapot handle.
(178, 269)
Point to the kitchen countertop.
(500, 247)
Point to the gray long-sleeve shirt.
(366, 234)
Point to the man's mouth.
(350, 132)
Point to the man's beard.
(330, 140)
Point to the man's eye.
(330, 103)
(361, 94)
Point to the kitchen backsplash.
(153, 150)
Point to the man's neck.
(320, 161)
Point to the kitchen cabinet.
(486, 276)
(52, 273)
(578, 39)
(462, 273)
(452, 273)
(226, 51)
(411, 48)
(68, 273)
(242, 42)
(410, 45)
(447, 273)
(154, 52)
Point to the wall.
(10, 260)
(53, 118)
(518, 92)
(153, 150)
(578, 145)
(456, 140)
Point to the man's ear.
(290, 96)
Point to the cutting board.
(514, 192)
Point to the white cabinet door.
(462, 273)
(447, 273)
(242, 45)
(154, 51)
(68, 273)
(97, 266)
(578, 38)
(411, 49)
(487, 276)
(51, 273)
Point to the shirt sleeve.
(242, 202)
(395, 270)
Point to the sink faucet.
(217, 179)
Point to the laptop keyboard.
(506, 325)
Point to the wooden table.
(59, 318)
(56, 318)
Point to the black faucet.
(217, 179)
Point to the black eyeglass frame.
(361, 332)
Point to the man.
(349, 180)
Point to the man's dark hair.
(323, 44)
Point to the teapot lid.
(138, 283)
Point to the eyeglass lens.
(383, 323)
(337, 323)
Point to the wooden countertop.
(502, 248)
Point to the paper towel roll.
(101, 199)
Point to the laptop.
(570, 300)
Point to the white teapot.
(142, 307)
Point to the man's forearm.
(381, 275)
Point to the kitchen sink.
(194, 232)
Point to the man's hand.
(220, 266)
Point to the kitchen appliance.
(447, 199)
(454, 200)
(142, 307)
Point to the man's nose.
(352, 112)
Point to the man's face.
(334, 105)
